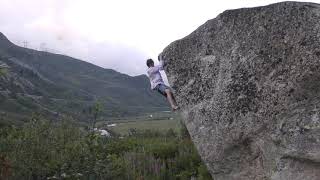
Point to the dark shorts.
(161, 88)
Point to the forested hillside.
(57, 85)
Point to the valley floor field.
(161, 121)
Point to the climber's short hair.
(150, 62)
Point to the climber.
(157, 82)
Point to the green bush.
(42, 149)
(3, 71)
(164, 150)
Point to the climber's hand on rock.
(160, 57)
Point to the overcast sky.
(115, 34)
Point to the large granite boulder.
(248, 83)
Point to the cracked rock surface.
(248, 83)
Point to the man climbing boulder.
(157, 82)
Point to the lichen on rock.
(248, 83)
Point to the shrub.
(43, 149)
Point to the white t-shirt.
(155, 76)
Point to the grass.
(159, 125)
(160, 121)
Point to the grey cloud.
(119, 57)
(113, 56)
(16, 19)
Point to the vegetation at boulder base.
(43, 149)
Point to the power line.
(25, 44)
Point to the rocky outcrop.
(248, 83)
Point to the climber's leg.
(165, 91)
(171, 99)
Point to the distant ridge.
(55, 85)
(4, 41)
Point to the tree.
(96, 110)
(3, 69)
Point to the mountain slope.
(55, 84)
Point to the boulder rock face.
(248, 83)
